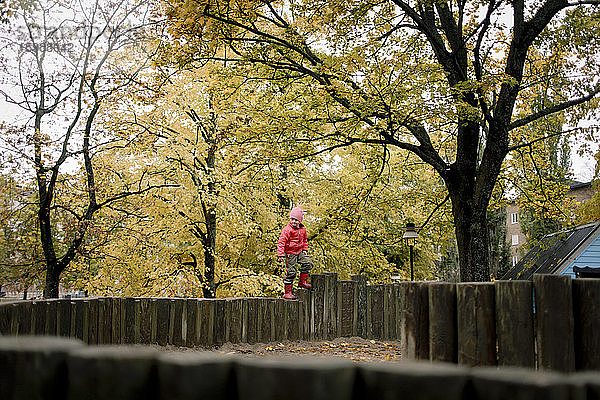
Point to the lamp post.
(410, 237)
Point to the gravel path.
(354, 348)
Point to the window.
(515, 260)
(514, 218)
(515, 240)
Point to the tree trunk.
(52, 281)
(470, 224)
(210, 209)
(209, 289)
(52, 268)
(472, 240)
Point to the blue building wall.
(589, 257)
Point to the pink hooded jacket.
(292, 240)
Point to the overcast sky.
(583, 167)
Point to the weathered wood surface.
(413, 314)
(318, 307)
(514, 324)
(145, 320)
(376, 311)
(476, 328)
(586, 306)
(554, 321)
(443, 344)
(304, 297)
(347, 312)
(468, 323)
(161, 310)
(206, 322)
(104, 320)
(361, 305)
(330, 318)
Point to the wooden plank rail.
(551, 323)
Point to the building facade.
(516, 238)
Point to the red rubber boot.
(288, 292)
(302, 282)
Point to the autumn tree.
(20, 253)
(443, 80)
(542, 186)
(194, 123)
(351, 194)
(211, 232)
(60, 61)
(538, 172)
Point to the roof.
(577, 185)
(553, 252)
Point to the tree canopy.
(454, 83)
(165, 142)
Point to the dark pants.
(295, 262)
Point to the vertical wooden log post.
(161, 310)
(118, 320)
(254, 321)
(376, 311)
(476, 324)
(318, 307)
(389, 302)
(206, 313)
(171, 321)
(38, 315)
(16, 312)
(93, 321)
(193, 323)
(234, 314)
(554, 320)
(104, 320)
(514, 324)
(73, 318)
(281, 319)
(443, 344)
(178, 322)
(81, 319)
(361, 305)
(25, 323)
(5, 318)
(51, 314)
(586, 307)
(331, 304)
(63, 319)
(304, 296)
(346, 303)
(301, 320)
(293, 328)
(220, 321)
(131, 318)
(269, 319)
(145, 320)
(413, 310)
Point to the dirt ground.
(355, 349)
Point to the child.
(291, 251)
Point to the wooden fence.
(552, 322)
(62, 368)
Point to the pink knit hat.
(297, 213)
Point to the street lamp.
(410, 237)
